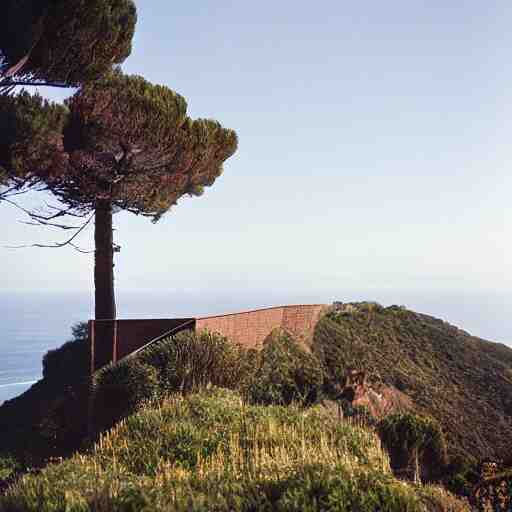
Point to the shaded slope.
(462, 381)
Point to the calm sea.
(30, 325)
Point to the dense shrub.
(414, 442)
(285, 373)
(181, 363)
(70, 362)
(8, 466)
(118, 390)
(461, 475)
(189, 361)
(336, 348)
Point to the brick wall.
(250, 328)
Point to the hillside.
(211, 451)
(461, 380)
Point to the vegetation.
(190, 361)
(209, 451)
(70, 362)
(413, 442)
(285, 373)
(29, 138)
(8, 467)
(282, 373)
(461, 381)
(123, 144)
(283, 376)
(62, 42)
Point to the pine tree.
(62, 43)
(121, 143)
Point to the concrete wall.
(250, 328)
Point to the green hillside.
(462, 381)
(212, 451)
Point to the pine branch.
(58, 245)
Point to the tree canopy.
(133, 142)
(63, 42)
(30, 139)
(120, 137)
(118, 143)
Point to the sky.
(373, 163)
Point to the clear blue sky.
(374, 162)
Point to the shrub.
(285, 373)
(337, 349)
(413, 441)
(8, 467)
(118, 390)
(210, 451)
(71, 361)
(189, 361)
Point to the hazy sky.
(373, 162)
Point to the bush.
(189, 361)
(118, 390)
(70, 362)
(285, 373)
(8, 467)
(412, 439)
(210, 451)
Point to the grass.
(212, 451)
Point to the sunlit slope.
(463, 381)
(211, 452)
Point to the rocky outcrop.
(379, 400)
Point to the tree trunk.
(105, 302)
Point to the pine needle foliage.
(65, 42)
(30, 137)
(120, 139)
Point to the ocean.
(32, 324)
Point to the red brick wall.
(250, 328)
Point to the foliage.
(8, 467)
(118, 390)
(30, 129)
(285, 373)
(190, 360)
(461, 381)
(280, 374)
(407, 435)
(212, 452)
(461, 475)
(65, 41)
(70, 362)
(131, 143)
(359, 413)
